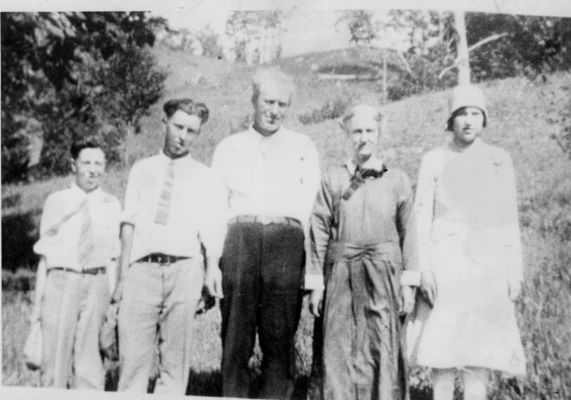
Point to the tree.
(429, 49)
(51, 63)
(361, 24)
(529, 45)
(250, 31)
(210, 43)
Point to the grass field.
(518, 111)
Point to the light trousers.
(158, 306)
(73, 308)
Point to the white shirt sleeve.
(213, 217)
(131, 206)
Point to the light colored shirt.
(197, 215)
(60, 229)
(273, 176)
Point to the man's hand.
(407, 299)
(316, 302)
(117, 293)
(205, 303)
(36, 313)
(514, 288)
(428, 287)
(213, 281)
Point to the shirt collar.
(95, 193)
(166, 159)
(259, 137)
(454, 147)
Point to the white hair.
(265, 75)
(362, 109)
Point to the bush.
(330, 110)
(348, 69)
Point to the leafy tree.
(52, 64)
(529, 45)
(424, 29)
(210, 43)
(361, 24)
(245, 27)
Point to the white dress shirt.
(271, 176)
(60, 229)
(197, 213)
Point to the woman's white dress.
(465, 230)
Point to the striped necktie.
(85, 243)
(163, 209)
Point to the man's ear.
(72, 165)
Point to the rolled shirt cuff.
(314, 282)
(410, 278)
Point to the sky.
(303, 30)
(309, 25)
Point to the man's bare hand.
(316, 302)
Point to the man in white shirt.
(174, 212)
(79, 245)
(271, 176)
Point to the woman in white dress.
(464, 236)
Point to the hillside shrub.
(348, 69)
(331, 109)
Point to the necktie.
(163, 209)
(85, 243)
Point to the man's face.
(270, 107)
(88, 168)
(181, 131)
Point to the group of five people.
(261, 226)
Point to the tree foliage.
(245, 26)
(210, 43)
(362, 26)
(72, 72)
(532, 45)
(500, 46)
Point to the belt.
(161, 258)
(87, 271)
(265, 220)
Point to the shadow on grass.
(420, 394)
(210, 384)
(19, 233)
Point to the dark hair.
(89, 142)
(450, 122)
(188, 106)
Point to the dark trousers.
(261, 277)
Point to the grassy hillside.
(517, 122)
